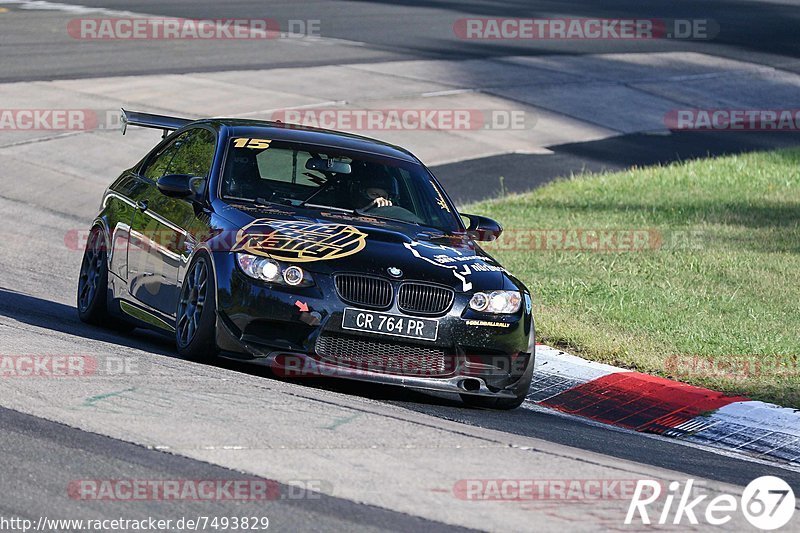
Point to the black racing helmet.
(370, 175)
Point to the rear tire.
(195, 319)
(92, 297)
(93, 280)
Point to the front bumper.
(305, 365)
(270, 326)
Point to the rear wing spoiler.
(158, 122)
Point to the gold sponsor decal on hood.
(298, 241)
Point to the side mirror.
(180, 186)
(483, 228)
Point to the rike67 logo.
(767, 503)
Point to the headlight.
(293, 275)
(266, 269)
(496, 302)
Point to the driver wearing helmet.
(374, 190)
(378, 196)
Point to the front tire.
(195, 319)
(522, 390)
(484, 402)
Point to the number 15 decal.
(255, 144)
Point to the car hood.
(329, 243)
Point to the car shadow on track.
(62, 318)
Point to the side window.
(190, 153)
(157, 166)
(195, 154)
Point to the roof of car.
(308, 135)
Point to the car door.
(158, 243)
(178, 218)
(119, 202)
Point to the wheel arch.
(102, 223)
(202, 249)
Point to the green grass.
(721, 289)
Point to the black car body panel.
(409, 276)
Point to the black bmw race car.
(314, 252)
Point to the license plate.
(387, 324)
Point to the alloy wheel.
(192, 301)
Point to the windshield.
(265, 171)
